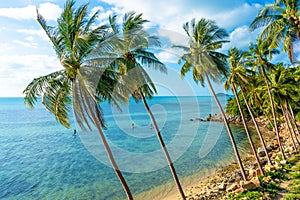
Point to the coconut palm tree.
(258, 59)
(284, 89)
(202, 57)
(134, 55)
(79, 45)
(236, 76)
(282, 25)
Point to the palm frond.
(57, 100)
(36, 87)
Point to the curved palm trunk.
(163, 146)
(119, 174)
(274, 115)
(290, 124)
(294, 127)
(289, 129)
(291, 113)
(237, 155)
(247, 130)
(256, 126)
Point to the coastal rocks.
(219, 118)
(248, 185)
(261, 152)
(232, 187)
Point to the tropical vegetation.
(108, 63)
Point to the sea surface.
(41, 159)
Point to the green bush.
(247, 194)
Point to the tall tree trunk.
(256, 126)
(290, 123)
(247, 130)
(289, 129)
(294, 126)
(291, 112)
(163, 146)
(274, 115)
(237, 155)
(119, 174)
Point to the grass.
(294, 176)
(246, 195)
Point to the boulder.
(252, 172)
(269, 168)
(261, 152)
(222, 186)
(248, 185)
(288, 150)
(283, 162)
(256, 181)
(232, 187)
(276, 144)
(267, 179)
(239, 190)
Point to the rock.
(258, 172)
(248, 185)
(276, 144)
(239, 190)
(288, 150)
(269, 168)
(267, 179)
(283, 162)
(232, 187)
(261, 152)
(271, 147)
(231, 180)
(256, 181)
(252, 172)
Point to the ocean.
(41, 159)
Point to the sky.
(26, 53)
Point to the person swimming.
(132, 126)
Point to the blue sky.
(25, 51)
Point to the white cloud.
(241, 37)
(169, 55)
(173, 15)
(27, 12)
(41, 33)
(48, 10)
(16, 71)
(237, 16)
(27, 44)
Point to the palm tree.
(282, 25)
(236, 76)
(258, 59)
(77, 43)
(284, 89)
(249, 89)
(202, 57)
(133, 57)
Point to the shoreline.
(209, 184)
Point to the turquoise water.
(40, 159)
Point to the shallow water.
(40, 159)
